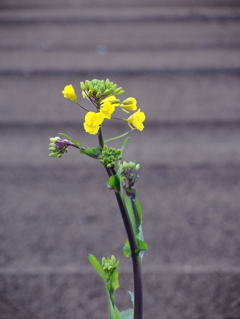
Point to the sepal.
(70, 139)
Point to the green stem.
(100, 137)
(81, 106)
(115, 138)
(136, 259)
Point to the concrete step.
(77, 294)
(108, 37)
(60, 213)
(141, 13)
(9, 4)
(167, 98)
(171, 144)
(212, 60)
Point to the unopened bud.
(119, 93)
(99, 94)
(90, 93)
(83, 87)
(87, 84)
(107, 92)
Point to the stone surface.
(182, 98)
(191, 216)
(191, 295)
(207, 61)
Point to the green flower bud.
(90, 93)
(117, 101)
(110, 84)
(119, 93)
(82, 85)
(127, 102)
(99, 94)
(87, 84)
(118, 90)
(107, 92)
(113, 88)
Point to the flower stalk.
(122, 178)
(136, 260)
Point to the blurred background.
(181, 60)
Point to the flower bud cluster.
(130, 174)
(59, 146)
(109, 156)
(109, 264)
(99, 89)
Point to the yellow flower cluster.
(94, 120)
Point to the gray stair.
(181, 61)
(8, 4)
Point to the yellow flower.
(92, 122)
(136, 120)
(129, 104)
(69, 93)
(107, 108)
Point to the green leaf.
(93, 260)
(142, 246)
(93, 152)
(115, 283)
(131, 214)
(70, 139)
(126, 249)
(124, 143)
(127, 314)
(114, 183)
(117, 313)
(132, 296)
(139, 209)
(112, 310)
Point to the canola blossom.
(129, 104)
(137, 119)
(92, 122)
(107, 107)
(69, 93)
